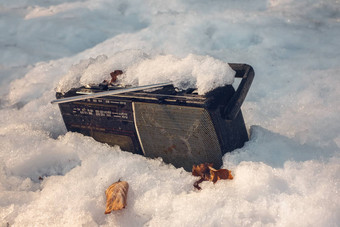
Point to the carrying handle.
(246, 72)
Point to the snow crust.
(286, 175)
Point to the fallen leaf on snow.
(116, 196)
(208, 173)
(202, 170)
(221, 174)
(114, 75)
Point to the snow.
(202, 72)
(286, 175)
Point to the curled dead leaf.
(116, 196)
(206, 172)
(221, 174)
(114, 75)
(202, 170)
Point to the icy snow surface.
(288, 174)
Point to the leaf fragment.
(202, 170)
(116, 196)
(221, 174)
(206, 172)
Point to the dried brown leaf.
(116, 196)
(202, 170)
(114, 75)
(221, 174)
(206, 172)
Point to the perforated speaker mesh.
(181, 135)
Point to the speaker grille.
(181, 135)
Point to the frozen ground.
(288, 174)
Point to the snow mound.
(203, 72)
